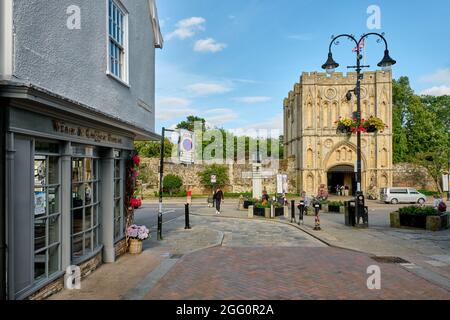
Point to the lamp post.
(161, 183)
(448, 181)
(330, 65)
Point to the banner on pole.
(445, 183)
(282, 183)
(186, 146)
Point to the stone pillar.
(107, 207)
(250, 212)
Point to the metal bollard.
(301, 209)
(186, 216)
(317, 217)
(292, 211)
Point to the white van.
(401, 195)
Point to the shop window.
(47, 210)
(85, 203)
(119, 223)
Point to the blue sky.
(233, 61)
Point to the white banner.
(186, 146)
(445, 183)
(282, 184)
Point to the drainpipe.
(4, 124)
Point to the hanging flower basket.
(374, 124)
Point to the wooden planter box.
(432, 223)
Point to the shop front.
(66, 177)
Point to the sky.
(233, 62)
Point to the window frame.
(48, 216)
(121, 179)
(125, 47)
(94, 205)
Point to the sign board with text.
(213, 178)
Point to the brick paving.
(287, 273)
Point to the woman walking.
(218, 198)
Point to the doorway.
(342, 175)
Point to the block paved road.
(286, 273)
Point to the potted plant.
(278, 208)
(136, 203)
(136, 234)
(344, 125)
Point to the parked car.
(401, 195)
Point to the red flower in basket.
(136, 159)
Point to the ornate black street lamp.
(330, 65)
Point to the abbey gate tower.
(321, 155)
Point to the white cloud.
(209, 45)
(251, 100)
(173, 107)
(207, 88)
(263, 128)
(437, 91)
(218, 116)
(441, 76)
(187, 28)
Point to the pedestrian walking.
(338, 190)
(218, 198)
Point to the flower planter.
(431, 223)
(247, 203)
(371, 129)
(279, 211)
(135, 246)
(334, 208)
(260, 212)
(325, 208)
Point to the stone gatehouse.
(325, 157)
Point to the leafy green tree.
(401, 98)
(152, 149)
(189, 123)
(172, 183)
(221, 173)
(436, 163)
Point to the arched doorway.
(342, 175)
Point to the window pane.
(53, 230)
(87, 242)
(77, 170)
(87, 218)
(77, 221)
(53, 259)
(116, 168)
(116, 228)
(95, 169)
(117, 207)
(88, 169)
(53, 170)
(39, 265)
(88, 193)
(46, 147)
(117, 188)
(95, 192)
(53, 200)
(77, 195)
(40, 170)
(95, 215)
(77, 246)
(40, 233)
(40, 201)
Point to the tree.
(401, 98)
(152, 149)
(172, 183)
(436, 163)
(221, 173)
(189, 123)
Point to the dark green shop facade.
(65, 171)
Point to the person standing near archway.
(218, 198)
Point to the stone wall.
(120, 248)
(410, 175)
(191, 179)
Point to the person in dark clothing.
(218, 198)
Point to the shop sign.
(84, 132)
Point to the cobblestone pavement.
(287, 273)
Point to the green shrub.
(172, 184)
(428, 193)
(260, 205)
(237, 194)
(418, 211)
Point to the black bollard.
(301, 208)
(186, 216)
(292, 211)
(317, 217)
